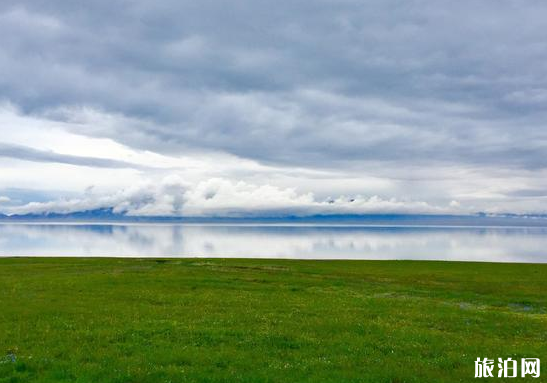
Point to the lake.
(497, 244)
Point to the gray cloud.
(416, 80)
(403, 89)
(25, 153)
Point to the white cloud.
(225, 198)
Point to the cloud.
(143, 199)
(434, 82)
(224, 198)
(30, 154)
(4, 199)
(432, 101)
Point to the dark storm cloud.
(319, 83)
(25, 153)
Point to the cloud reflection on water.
(302, 242)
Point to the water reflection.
(303, 242)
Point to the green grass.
(204, 320)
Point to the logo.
(507, 368)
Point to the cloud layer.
(223, 198)
(432, 101)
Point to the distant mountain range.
(479, 219)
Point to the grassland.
(203, 320)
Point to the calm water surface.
(502, 244)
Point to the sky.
(254, 108)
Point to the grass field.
(204, 320)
